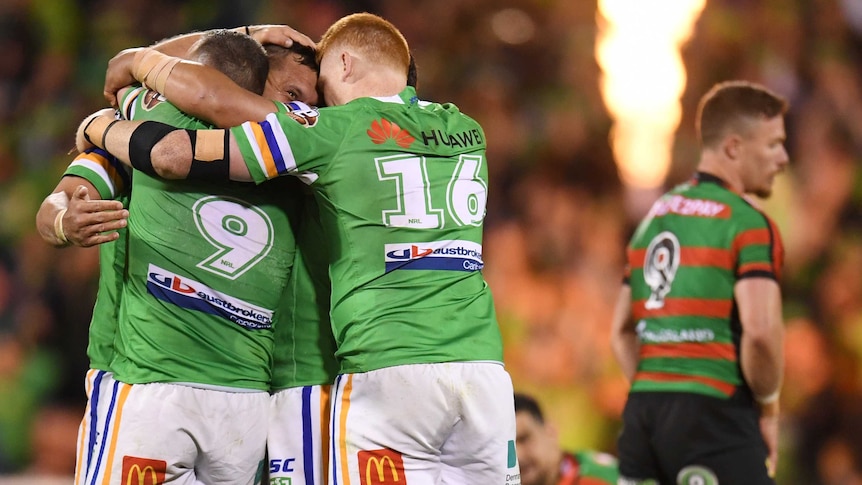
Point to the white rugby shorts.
(298, 436)
(150, 434)
(425, 424)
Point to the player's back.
(207, 267)
(684, 260)
(402, 186)
(304, 353)
(413, 252)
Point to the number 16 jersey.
(402, 188)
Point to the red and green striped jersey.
(684, 259)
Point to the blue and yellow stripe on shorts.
(315, 423)
(340, 408)
(100, 453)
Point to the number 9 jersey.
(207, 267)
(402, 187)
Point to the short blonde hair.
(373, 37)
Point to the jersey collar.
(703, 177)
(407, 96)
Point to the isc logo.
(281, 466)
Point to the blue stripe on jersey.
(94, 411)
(105, 434)
(274, 149)
(307, 437)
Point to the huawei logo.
(382, 130)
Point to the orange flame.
(638, 50)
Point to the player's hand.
(119, 74)
(769, 431)
(81, 141)
(282, 35)
(90, 222)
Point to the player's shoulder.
(750, 215)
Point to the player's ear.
(348, 65)
(732, 145)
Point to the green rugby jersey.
(207, 266)
(111, 180)
(684, 259)
(402, 188)
(304, 345)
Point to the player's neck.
(723, 169)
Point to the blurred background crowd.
(558, 217)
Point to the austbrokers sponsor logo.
(453, 255)
(193, 295)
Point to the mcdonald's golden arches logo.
(381, 467)
(143, 471)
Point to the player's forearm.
(163, 151)
(624, 340)
(155, 148)
(762, 343)
(206, 93)
(762, 360)
(626, 348)
(179, 45)
(46, 219)
(199, 90)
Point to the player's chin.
(764, 192)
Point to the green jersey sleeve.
(112, 181)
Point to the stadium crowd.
(557, 221)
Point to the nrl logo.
(151, 99)
(303, 114)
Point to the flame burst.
(638, 50)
